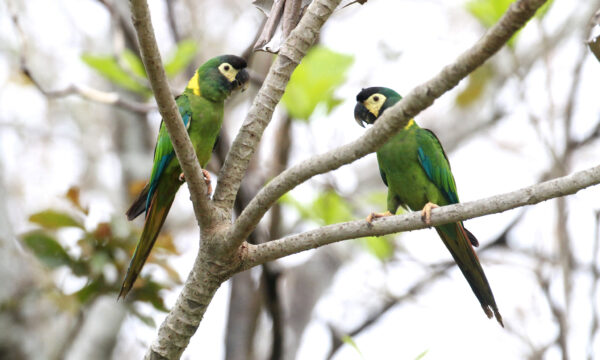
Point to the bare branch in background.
(282, 18)
(84, 91)
(594, 288)
(558, 314)
(270, 25)
(594, 40)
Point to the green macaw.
(201, 109)
(415, 168)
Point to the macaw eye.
(228, 71)
(376, 98)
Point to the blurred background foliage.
(77, 131)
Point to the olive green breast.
(407, 181)
(207, 118)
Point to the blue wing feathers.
(161, 167)
(164, 153)
(435, 166)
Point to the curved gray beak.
(361, 114)
(241, 80)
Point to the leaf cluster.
(127, 70)
(99, 254)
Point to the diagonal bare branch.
(392, 120)
(259, 116)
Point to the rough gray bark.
(223, 250)
(259, 116)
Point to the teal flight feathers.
(201, 108)
(415, 168)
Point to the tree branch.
(86, 92)
(566, 185)
(170, 113)
(261, 112)
(391, 121)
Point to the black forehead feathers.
(235, 61)
(365, 93)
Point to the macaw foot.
(207, 181)
(426, 212)
(372, 216)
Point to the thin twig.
(84, 91)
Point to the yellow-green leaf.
(349, 341)
(134, 63)
(475, 87)
(52, 219)
(314, 81)
(380, 246)
(331, 208)
(421, 355)
(109, 67)
(184, 53)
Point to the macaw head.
(219, 76)
(372, 102)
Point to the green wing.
(434, 161)
(163, 152)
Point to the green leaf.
(330, 208)
(46, 249)
(52, 219)
(314, 81)
(89, 291)
(149, 292)
(109, 67)
(98, 261)
(380, 246)
(488, 12)
(349, 341)
(542, 11)
(184, 53)
(134, 63)
(421, 355)
(327, 208)
(146, 319)
(477, 82)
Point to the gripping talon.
(372, 216)
(426, 212)
(207, 181)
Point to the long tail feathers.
(155, 218)
(458, 240)
(139, 204)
